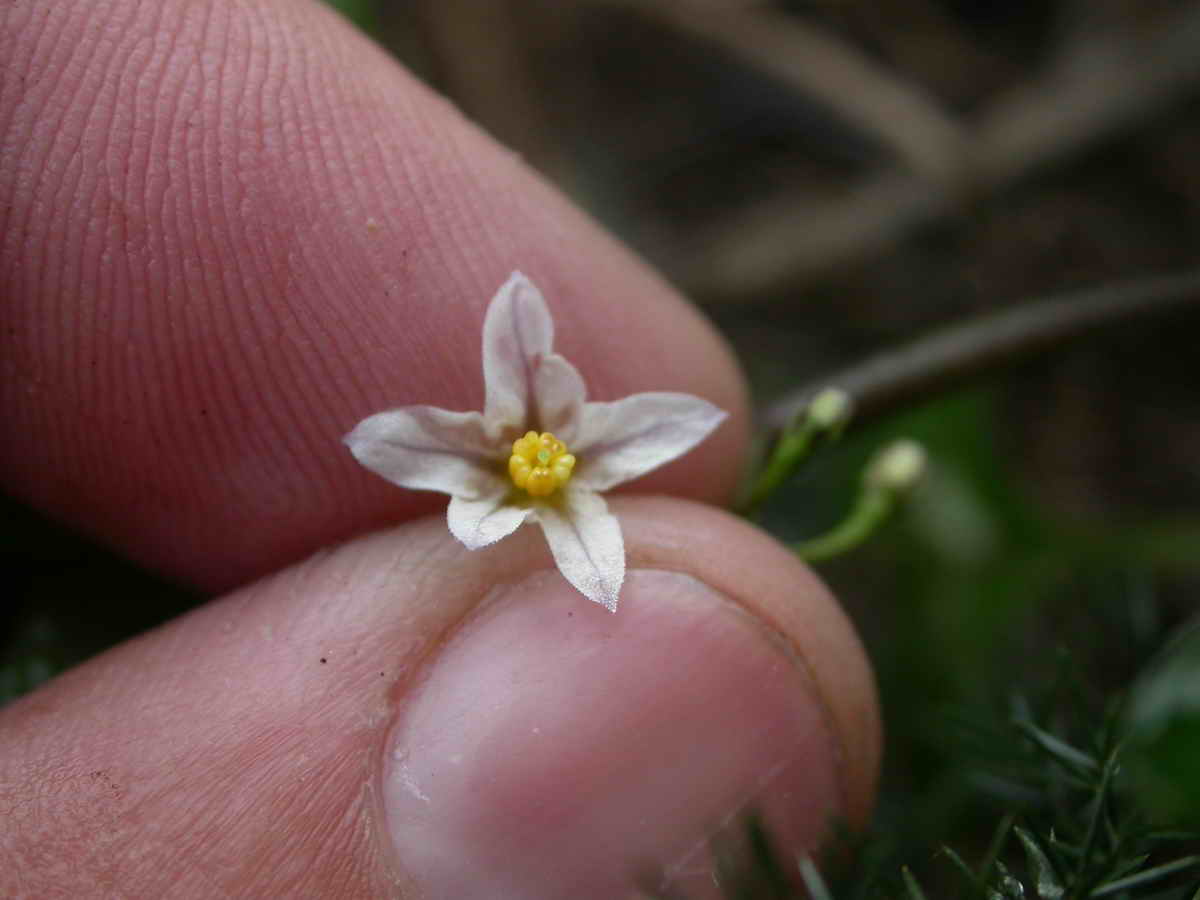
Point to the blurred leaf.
(1010, 887)
(747, 864)
(957, 861)
(1149, 876)
(1060, 750)
(362, 13)
(911, 885)
(1046, 880)
(1164, 727)
(67, 600)
(813, 882)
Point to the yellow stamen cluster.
(540, 463)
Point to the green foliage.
(1164, 726)
(72, 600)
(362, 13)
(1039, 733)
(1086, 831)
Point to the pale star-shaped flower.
(539, 451)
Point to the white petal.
(429, 449)
(622, 440)
(560, 394)
(478, 523)
(517, 335)
(585, 539)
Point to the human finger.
(400, 715)
(229, 231)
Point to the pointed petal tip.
(602, 590)
(713, 413)
(354, 435)
(358, 444)
(586, 543)
(603, 595)
(517, 281)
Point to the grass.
(1040, 680)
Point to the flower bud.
(830, 409)
(898, 467)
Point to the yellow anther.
(519, 469)
(540, 463)
(540, 482)
(523, 446)
(562, 468)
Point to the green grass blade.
(911, 885)
(1045, 879)
(1146, 877)
(1059, 749)
(813, 882)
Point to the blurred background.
(828, 179)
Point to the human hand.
(231, 230)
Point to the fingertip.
(400, 710)
(778, 590)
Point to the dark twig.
(960, 352)
(1099, 86)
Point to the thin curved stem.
(949, 357)
(793, 448)
(870, 511)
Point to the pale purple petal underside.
(518, 334)
(623, 440)
(484, 521)
(428, 449)
(585, 539)
(560, 394)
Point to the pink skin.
(678, 708)
(229, 231)
(219, 754)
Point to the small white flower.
(538, 451)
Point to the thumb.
(400, 713)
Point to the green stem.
(791, 450)
(872, 508)
(826, 414)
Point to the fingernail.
(556, 750)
